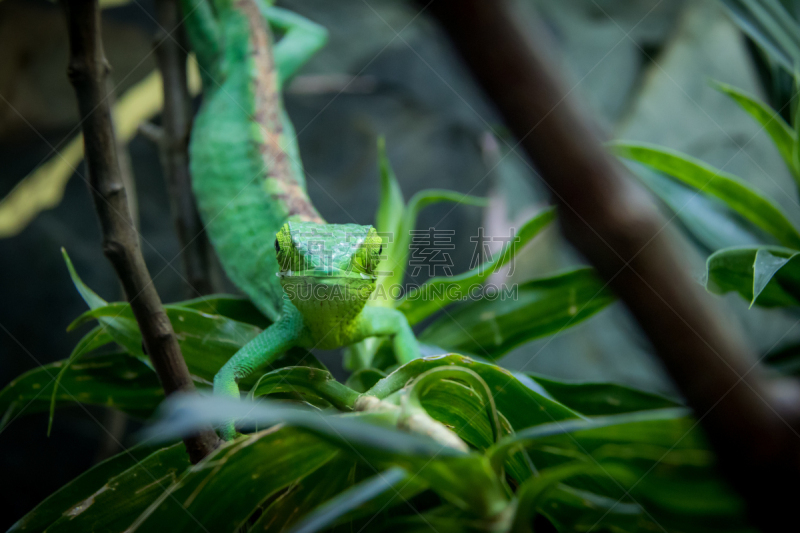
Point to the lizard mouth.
(327, 274)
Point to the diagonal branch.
(87, 72)
(750, 420)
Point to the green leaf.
(112, 380)
(117, 503)
(459, 408)
(779, 131)
(436, 293)
(236, 308)
(534, 435)
(206, 341)
(225, 489)
(520, 405)
(767, 276)
(538, 308)
(183, 414)
(571, 509)
(307, 381)
(768, 23)
(474, 385)
(398, 253)
(594, 399)
(369, 436)
(307, 494)
(737, 194)
(364, 379)
(96, 338)
(392, 205)
(707, 218)
(674, 474)
(351, 499)
(532, 495)
(80, 489)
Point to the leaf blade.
(541, 307)
(737, 194)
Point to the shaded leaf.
(112, 380)
(707, 218)
(765, 276)
(117, 503)
(737, 194)
(370, 436)
(571, 509)
(207, 340)
(96, 338)
(238, 308)
(674, 476)
(305, 380)
(535, 435)
(594, 399)
(364, 379)
(227, 487)
(436, 293)
(80, 489)
(541, 307)
(768, 24)
(351, 499)
(782, 135)
(532, 494)
(307, 494)
(520, 405)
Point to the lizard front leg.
(259, 352)
(384, 321)
(301, 40)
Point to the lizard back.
(247, 175)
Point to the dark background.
(639, 67)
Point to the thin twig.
(87, 72)
(750, 420)
(170, 43)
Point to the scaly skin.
(313, 279)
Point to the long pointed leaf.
(782, 135)
(436, 293)
(737, 194)
(351, 499)
(538, 308)
(113, 380)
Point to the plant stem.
(87, 72)
(751, 421)
(171, 55)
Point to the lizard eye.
(277, 247)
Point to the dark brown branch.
(750, 420)
(171, 55)
(87, 72)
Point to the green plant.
(359, 455)
(755, 245)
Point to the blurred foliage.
(757, 240)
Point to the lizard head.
(328, 267)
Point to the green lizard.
(311, 278)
